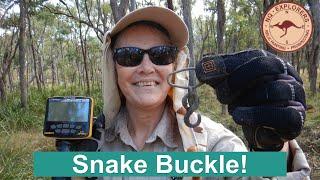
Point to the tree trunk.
(53, 68)
(3, 93)
(10, 78)
(314, 51)
(118, 11)
(8, 55)
(266, 5)
(234, 37)
(33, 55)
(186, 8)
(221, 20)
(85, 60)
(22, 65)
(204, 32)
(40, 58)
(83, 43)
(41, 76)
(220, 25)
(102, 16)
(170, 5)
(212, 49)
(133, 5)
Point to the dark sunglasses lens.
(163, 55)
(129, 56)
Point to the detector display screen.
(72, 110)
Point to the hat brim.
(177, 29)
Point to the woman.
(143, 113)
(140, 54)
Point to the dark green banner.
(59, 164)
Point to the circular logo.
(286, 27)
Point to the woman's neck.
(142, 122)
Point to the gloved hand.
(263, 92)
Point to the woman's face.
(144, 85)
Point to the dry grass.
(16, 148)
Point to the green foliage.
(44, 15)
(11, 22)
(106, 8)
(14, 118)
(21, 129)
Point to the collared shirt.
(165, 137)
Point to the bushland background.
(53, 48)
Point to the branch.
(8, 60)
(88, 15)
(67, 7)
(57, 12)
(5, 12)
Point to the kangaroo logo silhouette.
(286, 27)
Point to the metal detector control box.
(69, 117)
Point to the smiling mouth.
(146, 83)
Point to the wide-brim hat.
(169, 20)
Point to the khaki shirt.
(166, 137)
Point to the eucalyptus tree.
(8, 51)
(22, 63)
(314, 51)
(119, 9)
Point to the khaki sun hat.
(168, 19)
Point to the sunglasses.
(133, 56)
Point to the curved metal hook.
(191, 100)
(193, 106)
(179, 86)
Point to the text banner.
(94, 164)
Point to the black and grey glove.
(263, 92)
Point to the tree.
(36, 75)
(118, 11)
(8, 55)
(133, 5)
(314, 50)
(186, 11)
(170, 4)
(221, 20)
(266, 5)
(83, 42)
(22, 66)
(203, 28)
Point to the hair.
(147, 23)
